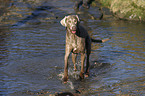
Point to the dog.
(77, 41)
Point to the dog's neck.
(72, 37)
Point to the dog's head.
(71, 22)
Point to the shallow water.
(31, 54)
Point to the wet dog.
(77, 41)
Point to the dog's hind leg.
(87, 66)
(82, 65)
(88, 52)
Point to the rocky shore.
(12, 12)
(126, 9)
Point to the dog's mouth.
(73, 31)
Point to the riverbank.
(126, 10)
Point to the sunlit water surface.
(31, 57)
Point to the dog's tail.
(99, 41)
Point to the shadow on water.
(34, 15)
(4, 33)
(30, 13)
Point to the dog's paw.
(87, 75)
(65, 79)
(81, 76)
(65, 82)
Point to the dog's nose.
(73, 27)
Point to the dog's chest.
(78, 44)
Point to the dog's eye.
(75, 21)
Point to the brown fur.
(77, 41)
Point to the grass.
(129, 9)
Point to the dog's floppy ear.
(78, 18)
(63, 23)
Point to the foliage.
(126, 9)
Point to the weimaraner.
(77, 41)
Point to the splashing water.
(72, 74)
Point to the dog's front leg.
(82, 65)
(67, 53)
(74, 56)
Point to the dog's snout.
(74, 28)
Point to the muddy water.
(32, 51)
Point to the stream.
(32, 48)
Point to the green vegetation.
(126, 9)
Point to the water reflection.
(4, 4)
(4, 33)
(126, 53)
